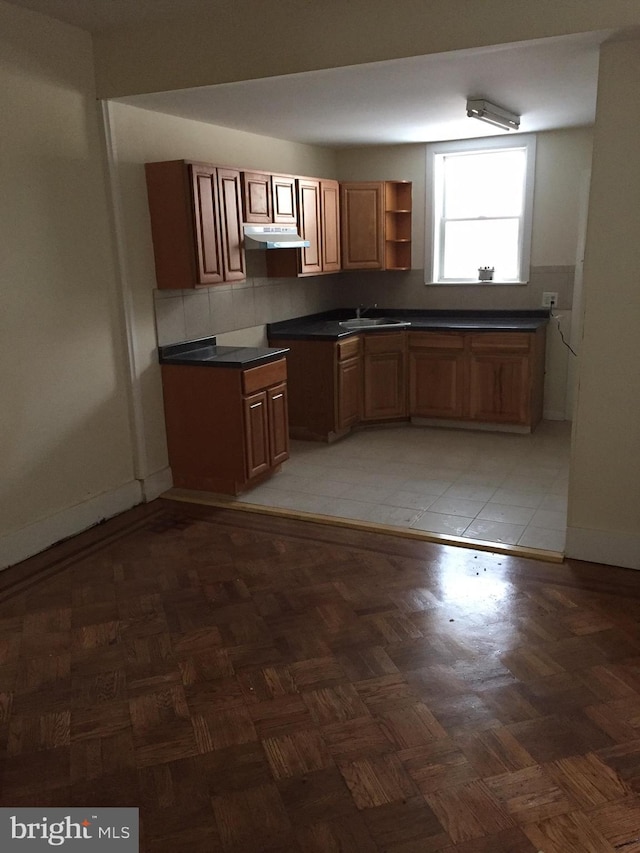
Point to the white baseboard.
(156, 484)
(603, 546)
(15, 547)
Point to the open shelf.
(397, 213)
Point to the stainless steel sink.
(373, 323)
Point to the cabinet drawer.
(256, 378)
(395, 342)
(348, 349)
(436, 340)
(503, 341)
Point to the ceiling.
(98, 15)
(551, 83)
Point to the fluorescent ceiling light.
(492, 114)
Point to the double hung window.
(479, 210)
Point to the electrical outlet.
(549, 299)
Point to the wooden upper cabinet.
(231, 225)
(196, 223)
(330, 211)
(362, 225)
(268, 198)
(207, 225)
(376, 225)
(283, 194)
(310, 224)
(256, 197)
(319, 223)
(318, 220)
(397, 225)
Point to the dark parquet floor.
(262, 684)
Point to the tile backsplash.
(186, 314)
(183, 315)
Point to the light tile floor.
(499, 487)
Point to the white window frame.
(435, 151)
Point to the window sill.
(475, 283)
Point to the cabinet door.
(330, 205)
(310, 222)
(256, 197)
(362, 225)
(256, 434)
(437, 374)
(499, 388)
(384, 376)
(348, 392)
(210, 265)
(283, 191)
(436, 384)
(230, 199)
(278, 424)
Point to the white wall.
(604, 495)
(66, 458)
(561, 158)
(141, 136)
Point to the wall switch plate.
(549, 299)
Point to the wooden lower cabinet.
(227, 428)
(384, 394)
(266, 430)
(256, 434)
(324, 387)
(437, 375)
(488, 377)
(278, 420)
(349, 392)
(498, 388)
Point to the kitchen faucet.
(360, 310)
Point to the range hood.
(273, 237)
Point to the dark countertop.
(326, 326)
(205, 352)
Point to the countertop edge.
(185, 353)
(323, 327)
